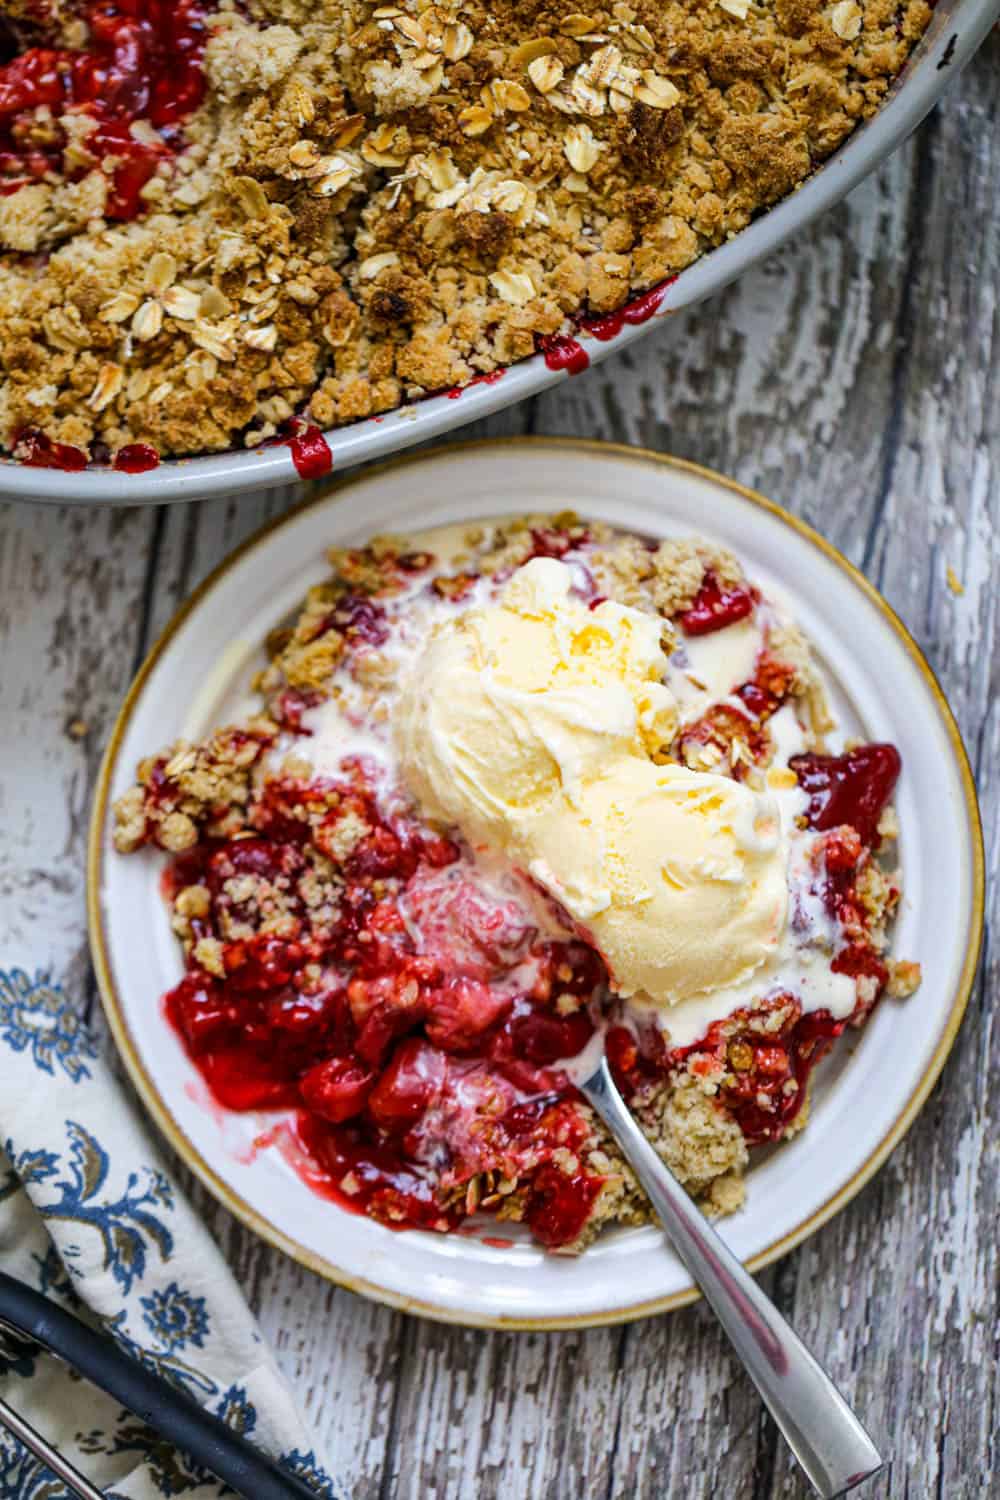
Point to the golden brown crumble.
(192, 791)
(378, 201)
(904, 979)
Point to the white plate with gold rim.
(867, 1094)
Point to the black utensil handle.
(205, 1437)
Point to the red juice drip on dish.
(605, 326)
(37, 451)
(489, 379)
(564, 353)
(136, 458)
(309, 449)
(142, 62)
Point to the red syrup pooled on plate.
(142, 62)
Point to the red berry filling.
(852, 788)
(37, 451)
(142, 62)
(716, 606)
(410, 1027)
(763, 1058)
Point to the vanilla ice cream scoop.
(678, 875)
(529, 724)
(509, 704)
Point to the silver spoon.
(826, 1437)
(53, 1460)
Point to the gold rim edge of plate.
(249, 1216)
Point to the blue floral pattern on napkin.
(127, 1226)
(89, 1216)
(36, 1017)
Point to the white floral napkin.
(89, 1216)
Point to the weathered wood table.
(855, 377)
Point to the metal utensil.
(206, 1438)
(75, 1482)
(826, 1437)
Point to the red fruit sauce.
(34, 449)
(761, 697)
(860, 961)
(490, 379)
(561, 1205)
(143, 62)
(852, 788)
(759, 1102)
(715, 607)
(759, 1064)
(564, 353)
(135, 458)
(605, 326)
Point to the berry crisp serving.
(508, 784)
(224, 224)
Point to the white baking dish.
(957, 28)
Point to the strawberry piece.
(715, 607)
(199, 1009)
(414, 1076)
(337, 1089)
(560, 1205)
(243, 1079)
(544, 1039)
(852, 788)
(461, 1012)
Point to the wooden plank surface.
(855, 377)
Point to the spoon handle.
(146, 1393)
(826, 1437)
